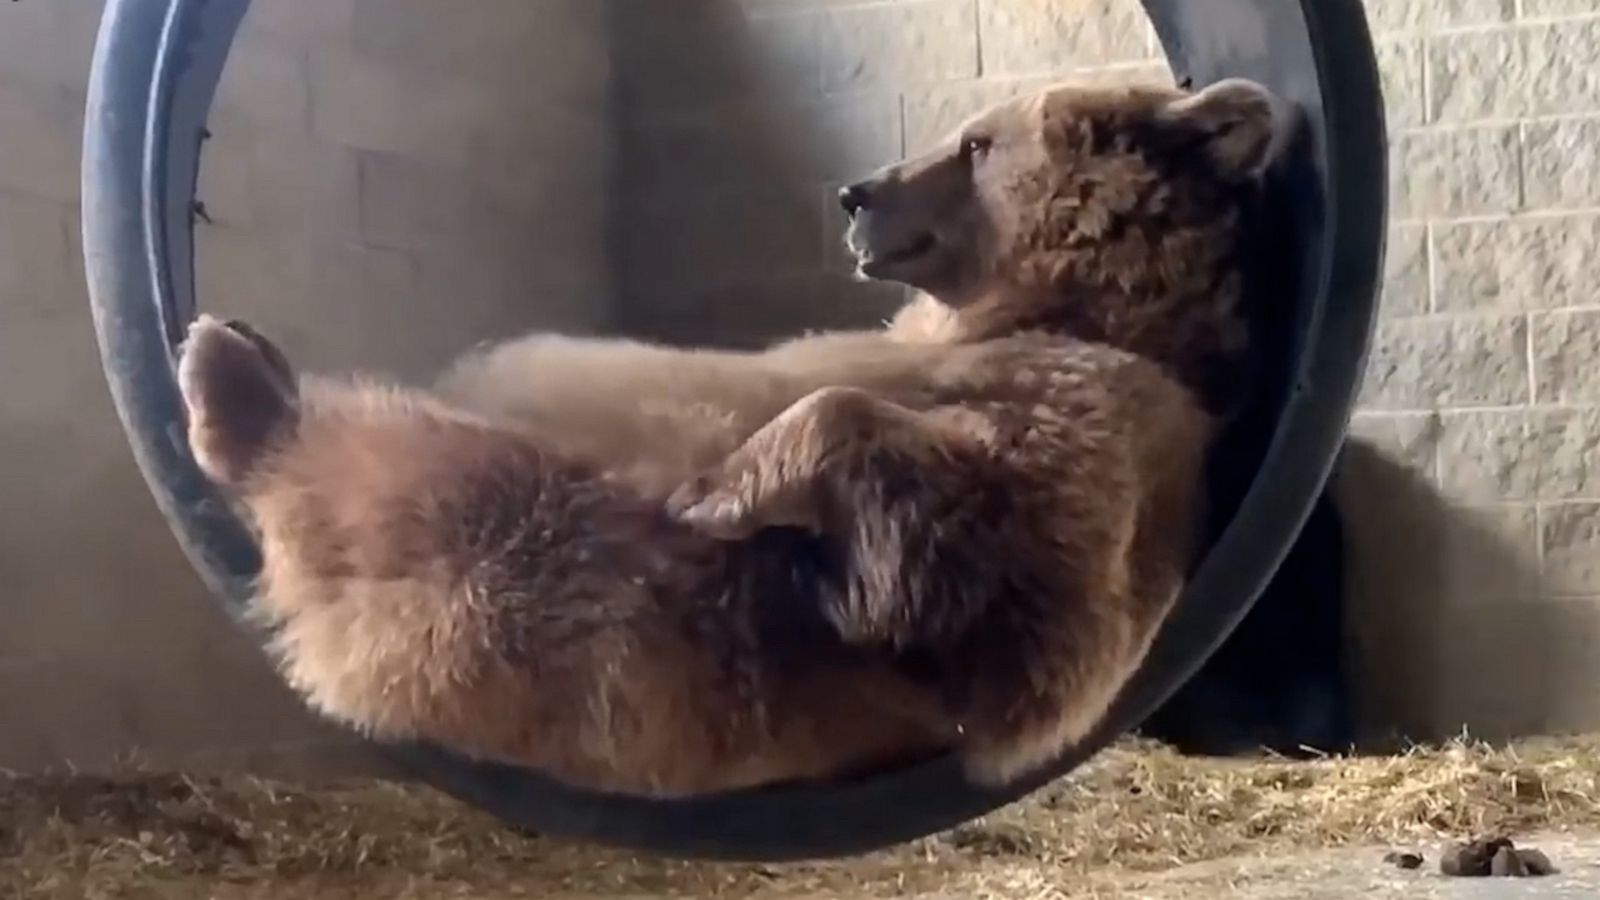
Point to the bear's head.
(1113, 213)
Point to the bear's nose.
(854, 198)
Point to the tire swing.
(156, 67)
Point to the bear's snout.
(855, 198)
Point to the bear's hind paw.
(240, 393)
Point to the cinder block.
(373, 106)
(29, 34)
(566, 172)
(1517, 264)
(406, 203)
(1406, 275)
(41, 141)
(1570, 537)
(347, 269)
(1565, 448)
(1400, 65)
(423, 115)
(1485, 456)
(725, 239)
(333, 305)
(1428, 362)
(48, 353)
(464, 298)
(696, 53)
(1563, 72)
(913, 42)
(48, 435)
(260, 178)
(299, 23)
(1562, 163)
(1566, 353)
(260, 274)
(849, 137)
(264, 85)
(1051, 35)
(80, 27)
(678, 160)
(413, 205)
(376, 106)
(1414, 15)
(48, 44)
(354, 294)
(1456, 172)
(36, 253)
(1522, 71)
(1538, 9)
(559, 48)
(1479, 74)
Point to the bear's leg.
(240, 394)
(947, 566)
(541, 375)
(872, 475)
(776, 477)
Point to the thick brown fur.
(655, 415)
(959, 532)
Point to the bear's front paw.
(719, 510)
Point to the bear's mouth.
(874, 261)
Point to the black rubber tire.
(156, 67)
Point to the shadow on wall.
(728, 155)
(1448, 626)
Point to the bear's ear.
(1236, 120)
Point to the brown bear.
(959, 533)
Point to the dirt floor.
(1138, 822)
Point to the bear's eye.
(974, 147)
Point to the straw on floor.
(1137, 808)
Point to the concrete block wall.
(1473, 494)
(389, 181)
